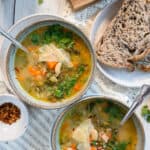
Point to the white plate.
(15, 130)
(119, 76)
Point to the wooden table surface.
(10, 12)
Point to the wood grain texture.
(6, 17)
(6, 13)
(77, 4)
(41, 121)
(28, 7)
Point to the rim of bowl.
(31, 100)
(10, 30)
(56, 124)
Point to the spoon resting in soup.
(58, 65)
(91, 125)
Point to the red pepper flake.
(9, 113)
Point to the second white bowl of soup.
(92, 124)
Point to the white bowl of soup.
(92, 124)
(59, 66)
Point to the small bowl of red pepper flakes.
(13, 117)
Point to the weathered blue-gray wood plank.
(27, 7)
(37, 135)
(6, 16)
(6, 13)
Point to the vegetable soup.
(58, 65)
(93, 125)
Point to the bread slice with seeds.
(126, 35)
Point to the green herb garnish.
(146, 113)
(40, 2)
(120, 146)
(66, 86)
(35, 38)
(56, 34)
(114, 112)
(81, 69)
(90, 106)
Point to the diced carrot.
(38, 77)
(90, 138)
(52, 65)
(73, 146)
(77, 87)
(93, 148)
(33, 48)
(20, 77)
(69, 148)
(65, 126)
(34, 71)
(75, 63)
(43, 73)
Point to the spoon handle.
(13, 40)
(145, 90)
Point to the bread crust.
(127, 34)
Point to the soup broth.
(58, 65)
(92, 126)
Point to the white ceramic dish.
(54, 137)
(7, 58)
(15, 130)
(119, 76)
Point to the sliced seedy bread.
(127, 34)
(113, 53)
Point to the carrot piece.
(75, 63)
(20, 77)
(77, 87)
(52, 65)
(69, 148)
(65, 126)
(73, 146)
(33, 48)
(34, 71)
(43, 73)
(90, 138)
(93, 148)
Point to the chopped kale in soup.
(58, 65)
(92, 126)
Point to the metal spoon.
(145, 90)
(13, 40)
